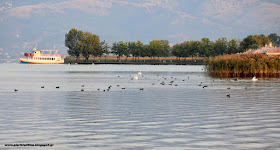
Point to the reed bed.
(244, 65)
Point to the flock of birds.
(162, 83)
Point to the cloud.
(185, 15)
(97, 7)
(221, 9)
(248, 14)
(179, 37)
(181, 17)
(265, 16)
(149, 4)
(206, 21)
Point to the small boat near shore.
(39, 57)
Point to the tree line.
(86, 44)
(156, 48)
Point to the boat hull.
(30, 61)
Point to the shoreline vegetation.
(223, 58)
(244, 65)
(136, 61)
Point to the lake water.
(183, 115)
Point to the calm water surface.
(179, 116)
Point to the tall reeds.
(243, 65)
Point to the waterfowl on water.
(82, 90)
(57, 87)
(141, 89)
(228, 95)
(136, 77)
(139, 72)
(254, 79)
(42, 87)
(16, 90)
(205, 86)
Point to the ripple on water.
(185, 116)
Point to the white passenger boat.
(40, 57)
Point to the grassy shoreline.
(244, 65)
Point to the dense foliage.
(87, 44)
(244, 65)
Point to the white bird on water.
(139, 72)
(136, 77)
(254, 79)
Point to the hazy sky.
(23, 23)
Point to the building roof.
(264, 50)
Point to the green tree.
(233, 46)
(221, 46)
(72, 42)
(177, 50)
(165, 48)
(155, 48)
(194, 48)
(185, 49)
(125, 50)
(140, 50)
(89, 45)
(103, 49)
(274, 38)
(132, 49)
(248, 43)
(206, 48)
(119, 49)
(261, 40)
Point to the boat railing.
(50, 54)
